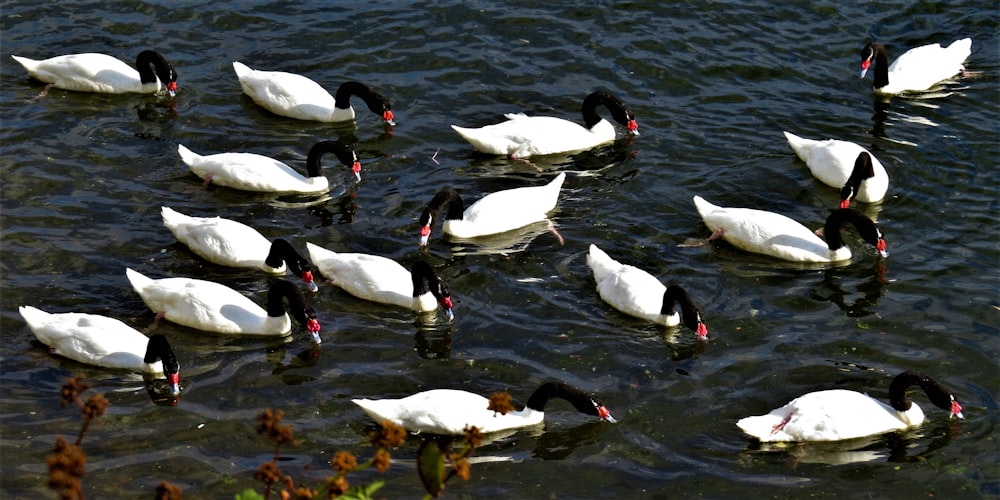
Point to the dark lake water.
(713, 85)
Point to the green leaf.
(430, 465)
(362, 491)
(249, 494)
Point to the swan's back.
(370, 277)
(250, 172)
(629, 289)
(922, 67)
(512, 208)
(832, 415)
(88, 338)
(220, 241)
(445, 411)
(286, 94)
(522, 136)
(88, 72)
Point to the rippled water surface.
(713, 84)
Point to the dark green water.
(712, 84)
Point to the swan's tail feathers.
(963, 46)
(374, 408)
(317, 252)
(172, 218)
(187, 156)
(703, 206)
(138, 280)
(242, 70)
(557, 182)
(761, 427)
(800, 145)
(29, 64)
(600, 262)
(33, 316)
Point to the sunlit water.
(712, 84)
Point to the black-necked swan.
(102, 341)
(522, 136)
(91, 72)
(380, 279)
(916, 69)
(213, 307)
(776, 235)
(254, 172)
(295, 96)
(840, 414)
(494, 213)
(450, 411)
(233, 244)
(635, 292)
(843, 165)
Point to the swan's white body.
(370, 277)
(768, 233)
(506, 210)
(251, 172)
(291, 95)
(832, 415)
(629, 289)
(447, 411)
(89, 72)
(832, 161)
(522, 136)
(221, 241)
(921, 67)
(92, 339)
(206, 305)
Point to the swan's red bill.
(605, 414)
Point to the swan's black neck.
(151, 65)
(674, 296)
(580, 400)
(866, 228)
(443, 197)
(344, 153)
(876, 55)
(297, 307)
(376, 102)
(426, 279)
(158, 349)
(619, 110)
(863, 169)
(282, 251)
(941, 397)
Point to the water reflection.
(160, 393)
(871, 290)
(513, 241)
(433, 340)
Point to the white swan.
(295, 96)
(213, 307)
(384, 280)
(102, 73)
(494, 213)
(449, 411)
(637, 293)
(234, 244)
(99, 340)
(917, 69)
(253, 172)
(843, 165)
(840, 414)
(522, 136)
(773, 234)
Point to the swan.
(494, 213)
(102, 73)
(213, 307)
(917, 69)
(253, 172)
(376, 278)
(844, 165)
(637, 293)
(234, 244)
(99, 340)
(522, 136)
(840, 414)
(449, 411)
(774, 234)
(296, 96)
